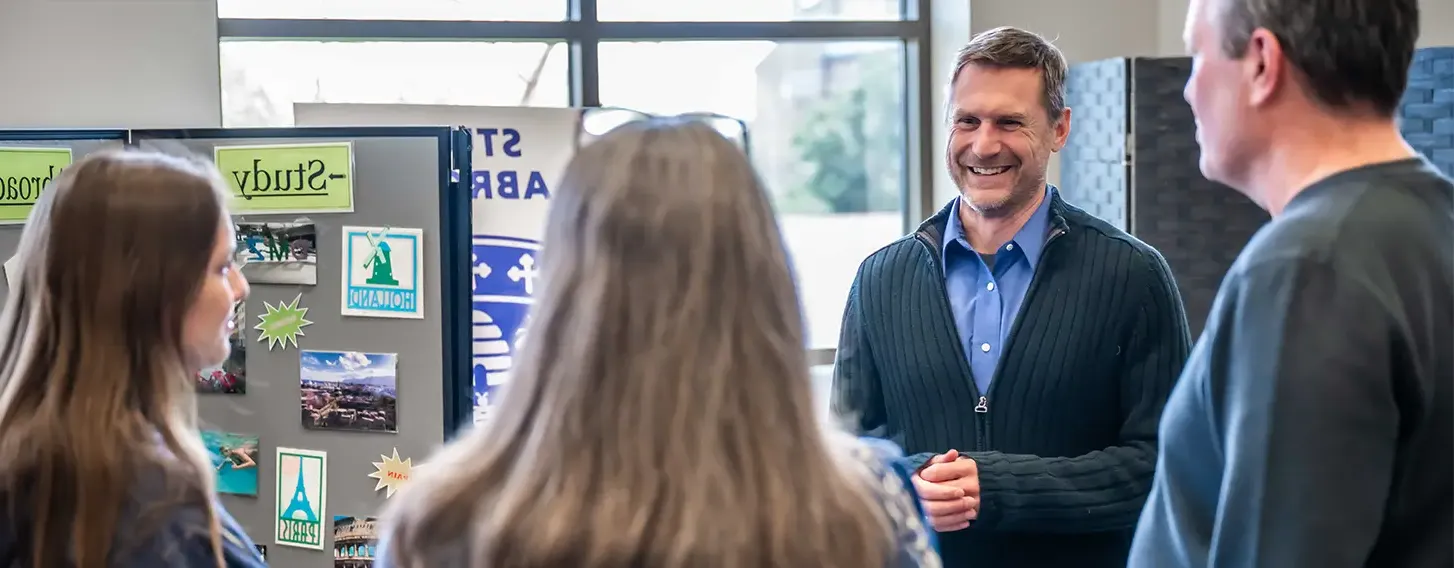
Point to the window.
(827, 132)
(262, 79)
(821, 83)
(746, 10)
(472, 10)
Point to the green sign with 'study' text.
(24, 172)
(289, 178)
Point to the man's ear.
(1262, 63)
(1062, 130)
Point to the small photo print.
(349, 390)
(302, 490)
(354, 541)
(234, 458)
(231, 377)
(278, 253)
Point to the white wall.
(109, 63)
(1437, 19)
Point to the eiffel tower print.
(299, 520)
(300, 501)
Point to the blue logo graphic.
(504, 286)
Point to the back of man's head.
(1352, 54)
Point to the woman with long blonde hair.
(126, 288)
(660, 413)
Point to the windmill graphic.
(380, 260)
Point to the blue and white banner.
(519, 155)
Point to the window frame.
(583, 32)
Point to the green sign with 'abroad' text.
(24, 172)
(289, 178)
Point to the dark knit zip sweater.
(1065, 437)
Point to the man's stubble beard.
(1018, 199)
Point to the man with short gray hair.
(1017, 348)
(1312, 425)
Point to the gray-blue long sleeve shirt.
(1313, 426)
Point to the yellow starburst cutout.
(392, 473)
(282, 324)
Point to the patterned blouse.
(917, 547)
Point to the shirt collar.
(1030, 238)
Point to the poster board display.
(329, 392)
(25, 171)
(518, 155)
(26, 155)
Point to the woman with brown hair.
(126, 289)
(660, 414)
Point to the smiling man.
(1019, 349)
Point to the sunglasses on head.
(597, 121)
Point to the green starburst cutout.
(282, 324)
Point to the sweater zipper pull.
(984, 405)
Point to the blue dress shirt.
(985, 299)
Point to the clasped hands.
(948, 487)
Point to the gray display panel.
(396, 184)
